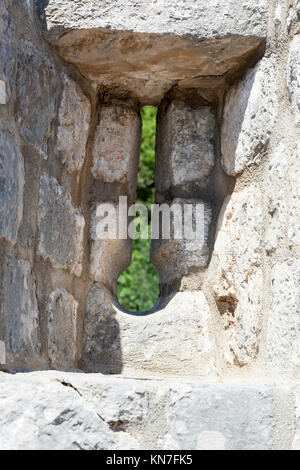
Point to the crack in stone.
(68, 384)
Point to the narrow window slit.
(138, 285)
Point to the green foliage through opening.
(138, 286)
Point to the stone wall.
(73, 78)
(45, 120)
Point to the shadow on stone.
(102, 344)
(40, 6)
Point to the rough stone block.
(41, 412)
(150, 34)
(185, 149)
(146, 48)
(175, 258)
(293, 78)
(249, 116)
(11, 186)
(36, 87)
(238, 283)
(74, 121)
(60, 227)
(283, 334)
(62, 329)
(92, 411)
(109, 257)
(117, 146)
(201, 19)
(176, 339)
(101, 344)
(219, 417)
(20, 316)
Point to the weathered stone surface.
(218, 417)
(118, 400)
(201, 18)
(277, 177)
(7, 52)
(283, 334)
(101, 345)
(175, 340)
(2, 353)
(293, 20)
(109, 257)
(19, 312)
(175, 258)
(293, 78)
(296, 440)
(36, 86)
(185, 149)
(39, 413)
(11, 186)
(249, 116)
(3, 95)
(60, 227)
(293, 192)
(56, 410)
(239, 279)
(146, 48)
(117, 146)
(74, 120)
(62, 329)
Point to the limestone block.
(175, 258)
(36, 87)
(238, 283)
(143, 49)
(39, 412)
(20, 316)
(218, 417)
(175, 339)
(293, 78)
(74, 120)
(57, 410)
(117, 146)
(11, 186)
(249, 116)
(283, 334)
(109, 257)
(7, 53)
(200, 19)
(60, 227)
(185, 149)
(62, 311)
